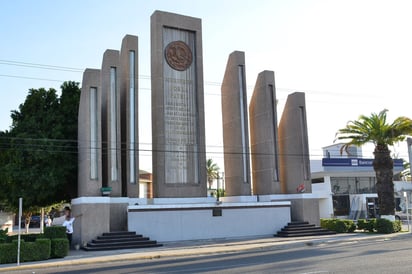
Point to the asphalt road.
(383, 256)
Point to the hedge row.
(35, 247)
(383, 226)
(338, 225)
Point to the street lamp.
(407, 207)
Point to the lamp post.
(407, 207)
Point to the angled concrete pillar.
(235, 127)
(178, 128)
(264, 136)
(89, 135)
(293, 146)
(129, 116)
(111, 141)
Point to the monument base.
(97, 215)
(188, 221)
(304, 206)
(176, 219)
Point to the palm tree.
(212, 171)
(376, 130)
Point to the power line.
(40, 66)
(68, 146)
(148, 77)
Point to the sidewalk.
(201, 247)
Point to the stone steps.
(120, 240)
(302, 229)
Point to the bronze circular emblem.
(178, 55)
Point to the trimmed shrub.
(338, 225)
(3, 235)
(59, 247)
(384, 226)
(43, 248)
(397, 226)
(53, 232)
(367, 225)
(327, 224)
(351, 226)
(8, 253)
(24, 237)
(29, 251)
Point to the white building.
(345, 183)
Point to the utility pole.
(409, 142)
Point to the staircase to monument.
(120, 240)
(302, 229)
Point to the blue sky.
(349, 57)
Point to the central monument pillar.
(178, 128)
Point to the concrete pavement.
(201, 247)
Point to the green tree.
(38, 156)
(375, 129)
(212, 172)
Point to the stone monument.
(235, 127)
(178, 128)
(264, 136)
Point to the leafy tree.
(38, 155)
(212, 172)
(375, 129)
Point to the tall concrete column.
(264, 136)
(129, 116)
(178, 128)
(111, 141)
(89, 135)
(235, 127)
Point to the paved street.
(352, 255)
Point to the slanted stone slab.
(264, 136)
(294, 148)
(235, 127)
(89, 135)
(129, 116)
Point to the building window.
(341, 205)
(353, 185)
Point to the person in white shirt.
(68, 223)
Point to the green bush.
(53, 232)
(361, 224)
(384, 226)
(397, 226)
(3, 235)
(24, 237)
(367, 225)
(35, 251)
(29, 251)
(43, 248)
(8, 253)
(338, 225)
(328, 224)
(351, 226)
(59, 247)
